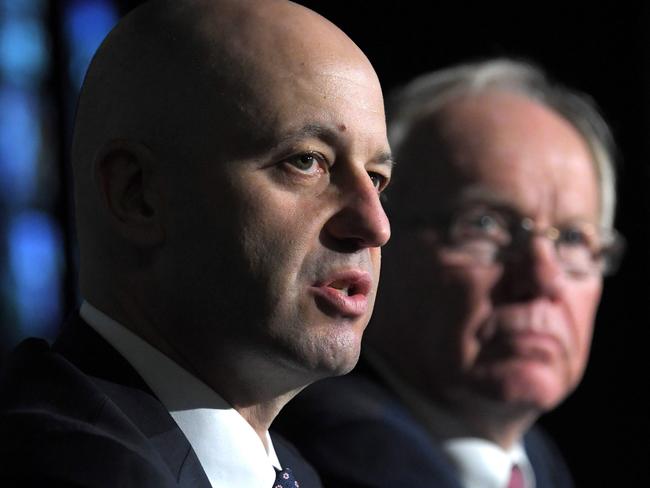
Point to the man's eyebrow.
(385, 158)
(307, 131)
(328, 134)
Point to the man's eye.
(309, 163)
(576, 237)
(379, 181)
(484, 222)
(481, 225)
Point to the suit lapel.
(89, 352)
(548, 464)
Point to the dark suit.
(78, 414)
(358, 433)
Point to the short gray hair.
(428, 92)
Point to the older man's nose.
(535, 272)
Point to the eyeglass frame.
(611, 249)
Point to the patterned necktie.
(284, 479)
(516, 478)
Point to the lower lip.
(338, 303)
(534, 344)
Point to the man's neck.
(256, 390)
(237, 376)
(459, 414)
(261, 415)
(498, 423)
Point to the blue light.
(35, 257)
(23, 50)
(86, 25)
(20, 142)
(13, 7)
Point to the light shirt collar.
(479, 463)
(483, 464)
(228, 448)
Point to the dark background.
(603, 429)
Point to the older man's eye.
(481, 225)
(308, 163)
(578, 237)
(572, 236)
(484, 223)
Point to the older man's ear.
(126, 177)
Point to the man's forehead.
(281, 65)
(452, 175)
(236, 69)
(552, 200)
(341, 102)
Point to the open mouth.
(344, 287)
(345, 293)
(352, 285)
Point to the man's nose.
(535, 272)
(360, 221)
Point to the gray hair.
(428, 92)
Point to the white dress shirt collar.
(483, 464)
(480, 463)
(228, 448)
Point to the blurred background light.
(18, 7)
(86, 24)
(20, 143)
(24, 55)
(35, 253)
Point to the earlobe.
(125, 174)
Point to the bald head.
(187, 81)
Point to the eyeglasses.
(486, 236)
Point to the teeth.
(340, 285)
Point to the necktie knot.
(284, 479)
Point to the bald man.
(228, 158)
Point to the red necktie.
(516, 478)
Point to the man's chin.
(326, 358)
(336, 364)
(528, 385)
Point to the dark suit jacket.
(357, 433)
(78, 414)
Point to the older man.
(228, 158)
(503, 232)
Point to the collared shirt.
(483, 464)
(228, 448)
(479, 462)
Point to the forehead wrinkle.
(479, 194)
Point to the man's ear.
(128, 180)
